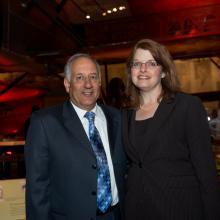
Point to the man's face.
(84, 84)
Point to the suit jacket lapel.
(75, 127)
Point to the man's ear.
(66, 85)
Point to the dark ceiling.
(47, 32)
(37, 37)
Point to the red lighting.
(16, 106)
(151, 6)
(8, 152)
(14, 131)
(17, 93)
(5, 61)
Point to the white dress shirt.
(101, 125)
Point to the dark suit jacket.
(61, 166)
(173, 177)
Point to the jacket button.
(94, 166)
(140, 165)
(93, 193)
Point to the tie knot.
(90, 116)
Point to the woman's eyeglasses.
(150, 64)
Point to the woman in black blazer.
(172, 173)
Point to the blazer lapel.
(161, 115)
(128, 129)
(75, 127)
(112, 128)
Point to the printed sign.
(12, 199)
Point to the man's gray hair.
(68, 70)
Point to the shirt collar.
(81, 112)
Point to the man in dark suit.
(62, 165)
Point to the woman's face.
(145, 72)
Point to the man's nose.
(87, 82)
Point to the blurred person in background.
(116, 95)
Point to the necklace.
(149, 107)
(149, 111)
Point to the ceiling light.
(121, 8)
(88, 17)
(25, 3)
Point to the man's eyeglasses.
(79, 78)
(150, 64)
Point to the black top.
(140, 130)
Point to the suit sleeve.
(37, 175)
(199, 142)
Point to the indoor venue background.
(38, 36)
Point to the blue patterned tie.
(104, 197)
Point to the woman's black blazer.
(174, 176)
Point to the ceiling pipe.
(13, 83)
